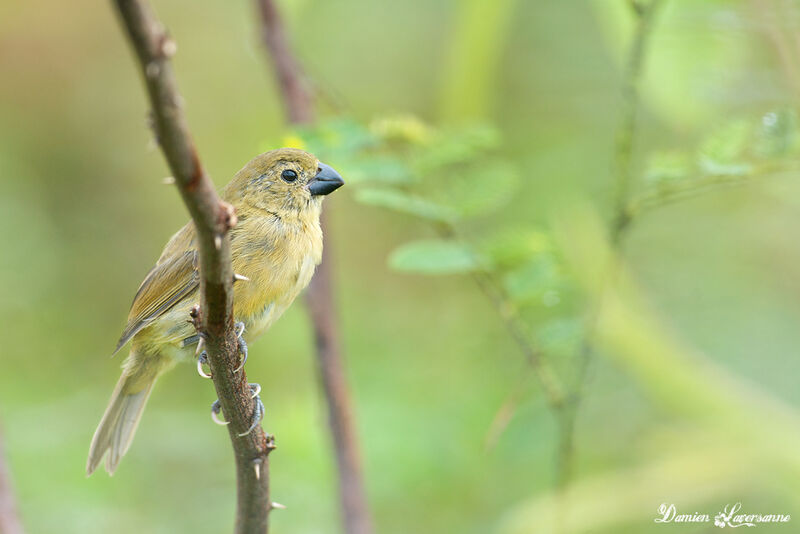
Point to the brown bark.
(212, 218)
(322, 309)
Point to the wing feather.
(174, 277)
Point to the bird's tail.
(115, 431)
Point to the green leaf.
(537, 281)
(435, 256)
(667, 167)
(777, 135)
(480, 189)
(402, 128)
(377, 169)
(727, 143)
(458, 147)
(512, 246)
(561, 336)
(715, 168)
(340, 138)
(405, 203)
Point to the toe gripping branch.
(255, 389)
(202, 356)
(258, 413)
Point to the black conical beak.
(326, 181)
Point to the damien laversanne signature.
(730, 516)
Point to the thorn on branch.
(240, 277)
(257, 467)
(279, 506)
(168, 46)
(168, 180)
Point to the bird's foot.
(216, 408)
(241, 344)
(202, 360)
(258, 413)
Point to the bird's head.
(284, 181)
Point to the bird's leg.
(241, 344)
(258, 413)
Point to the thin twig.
(658, 197)
(9, 517)
(322, 310)
(212, 219)
(643, 12)
(508, 311)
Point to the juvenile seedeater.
(276, 244)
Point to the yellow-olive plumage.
(276, 244)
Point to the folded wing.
(174, 277)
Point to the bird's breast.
(279, 262)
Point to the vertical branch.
(322, 310)
(212, 218)
(644, 12)
(296, 96)
(9, 518)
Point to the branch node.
(195, 317)
(227, 216)
(214, 322)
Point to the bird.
(275, 248)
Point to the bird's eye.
(289, 175)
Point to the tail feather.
(115, 431)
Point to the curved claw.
(242, 345)
(258, 415)
(255, 389)
(201, 360)
(216, 408)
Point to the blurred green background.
(85, 214)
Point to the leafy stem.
(643, 12)
(507, 310)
